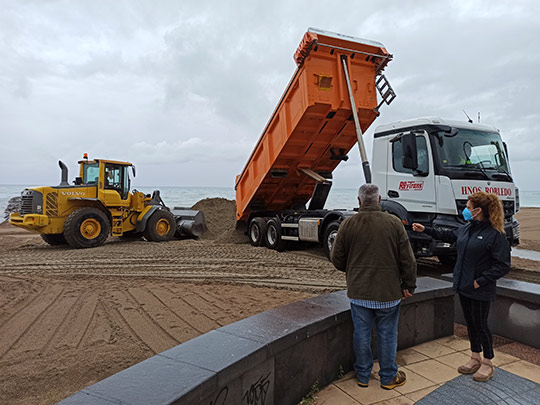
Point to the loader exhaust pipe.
(64, 179)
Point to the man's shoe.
(398, 380)
(361, 384)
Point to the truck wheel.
(86, 228)
(160, 227)
(273, 236)
(448, 260)
(257, 231)
(329, 238)
(54, 239)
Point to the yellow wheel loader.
(99, 204)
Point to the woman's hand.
(476, 285)
(418, 227)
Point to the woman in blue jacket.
(483, 256)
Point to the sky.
(183, 89)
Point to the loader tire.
(273, 236)
(161, 226)
(86, 228)
(54, 239)
(257, 231)
(329, 237)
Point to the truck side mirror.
(409, 157)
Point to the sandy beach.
(69, 318)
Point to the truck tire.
(273, 236)
(161, 226)
(257, 231)
(329, 237)
(54, 239)
(447, 260)
(86, 228)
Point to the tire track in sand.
(184, 310)
(140, 323)
(41, 332)
(13, 330)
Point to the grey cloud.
(192, 84)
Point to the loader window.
(116, 179)
(91, 173)
(423, 159)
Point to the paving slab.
(435, 380)
(503, 388)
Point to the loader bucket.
(189, 222)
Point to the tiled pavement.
(432, 377)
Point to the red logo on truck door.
(411, 185)
(500, 191)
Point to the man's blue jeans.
(386, 324)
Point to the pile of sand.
(220, 216)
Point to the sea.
(188, 196)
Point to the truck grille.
(508, 207)
(51, 205)
(27, 203)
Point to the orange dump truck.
(329, 102)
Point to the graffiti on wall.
(256, 393)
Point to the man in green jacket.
(373, 250)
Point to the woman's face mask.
(468, 215)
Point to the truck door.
(415, 190)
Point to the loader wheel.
(257, 231)
(329, 238)
(54, 239)
(160, 227)
(273, 236)
(86, 228)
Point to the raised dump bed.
(312, 126)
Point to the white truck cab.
(427, 167)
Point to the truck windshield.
(91, 173)
(472, 154)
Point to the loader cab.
(111, 179)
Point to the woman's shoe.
(484, 377)
(466, 369)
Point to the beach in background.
(188, 196)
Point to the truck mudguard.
(397, 209)
(331, 217)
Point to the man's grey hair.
(369, 194)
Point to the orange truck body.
(312, 122)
